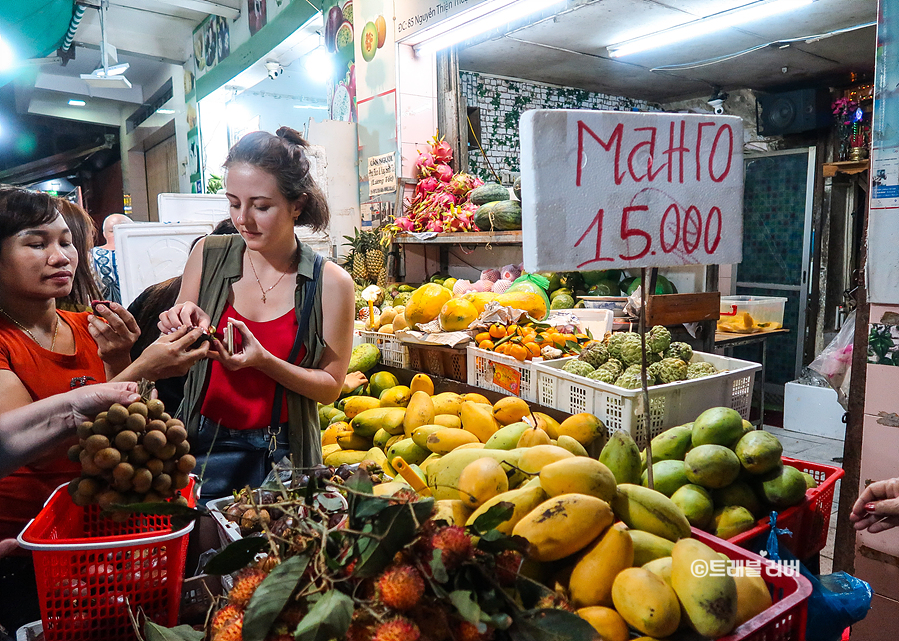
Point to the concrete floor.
(815, 449)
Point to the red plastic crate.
(90, 569)
(809, 521)
(785, 619)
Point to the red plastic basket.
(90, 569)
(809, 521)
(785, 619)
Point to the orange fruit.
(487, 344)
(519, 352)
(497, 331)
(512, 330)
(533, 348)
(481, 337)
(558, 339)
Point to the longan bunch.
(134, 454)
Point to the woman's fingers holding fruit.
(89, 400)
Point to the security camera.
(717, 100)
(274, 68)
(717, 104)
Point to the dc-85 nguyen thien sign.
(608, 189)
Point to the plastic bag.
(534, 283)
(834, 362)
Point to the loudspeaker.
(791, 112)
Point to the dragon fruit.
(490, 274)
(501, 286)
(462, 183)
(425, 165)
(404, 223)
(444, 173)
(441, 150)
(442, 200)
(427, 186)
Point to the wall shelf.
(464, 238)
(845, 167)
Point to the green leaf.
(271, 596)
(495, 516)
(328, 619)
(156, 632)
(236, 556)
(368, 508)
(395, 526)
(438, 570)
(550, 625)
(360, 481)
(494, 541)
(466, 605)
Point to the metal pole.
(646, 416)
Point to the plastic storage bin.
(763, 309)
(808, 521)
(483, 373)
(445, 362)
(669, 405)
(393, 352)
(90, 569)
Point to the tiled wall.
(502, 101)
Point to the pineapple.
(355, 262)
(374, 257)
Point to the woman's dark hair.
(283, 156)
(24, 209)
(84, 285)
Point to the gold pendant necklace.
(27, 331)
(261, 288)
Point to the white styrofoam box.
(598, 321)
(149, 253)
(192, 208)
(669, 405)
(813, 410)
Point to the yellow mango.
(349, 440)
(422, 383)
(389, 489)
(426, 303)
(534, 459)
(478, 419)
(482, 480)
(661, 568)
(523, 500)
(471, 446)
(420, 411)
(607, 623)
(380, 438)
(567, 443)
(444, 472)
(424, 464)
(420, 434)
(368, 422)
(646, 602)
(579, 475)
(563, 525)
(592, 577)
(349, 457)
(709, 600)
(330, 449)
(447, 403)
(355, 405)
(453, 511)
(545, 422)
(397, 396)
(445, 440)
(648, 547)
(510, 409)
(329, 436)
(753, 597)
(393, 439)
(532, 437)
(376, 455)
(474, 397)
(448, 420)
(584, 428)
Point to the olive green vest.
(222, 267)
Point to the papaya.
(579, 475)
(419, 411)
(426, 303)
(482, 480)
(457, 314)
(479, 300)
(595, 571)
(563, 525)
(534, 304)
(646, 602)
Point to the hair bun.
(291, 135)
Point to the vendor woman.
(291, 312)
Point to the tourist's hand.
(171, 355)
(187, 313)
(250, 354)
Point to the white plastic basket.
(229, 531)
(481, 370)
(393, 352)
(669, 405)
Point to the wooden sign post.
(619, 190)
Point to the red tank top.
(242, 399)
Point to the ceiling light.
(6, 56)
(310, 106)
(165, 111)
(709, 24)
(77, 103)
(318, 63)
(480, 19)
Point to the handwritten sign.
(608, 189)
(507, 378)
(382, 174)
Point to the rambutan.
(454, 544)
(358, 632)
(268, 564)
(232, 632)
(223, 617)
(401, 587)
(466, 631)
(508, 563)
(398, 629)
(244, 586)
(555, 601)
(404, 496)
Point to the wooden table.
(728, 340)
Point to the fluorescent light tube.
(106, 82)
(77, 103)
(709, 24)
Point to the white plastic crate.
(481, 370)
(669, 405)
(393, 352)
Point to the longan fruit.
(138, 408)
(125, 440)
(180, 480)
(72, 487)
(155, 467)
(182, 448)
(96, 443)
(117, 414)
(87, 464)
(180, 500)
(124, 471)
(154, 441)
(85, 430)
(139, 455)
(107, 458)
(142, 481)
(169, 465)
(165, 417)
(155, 408)
(156, 426)
(173, 422)
(162, 482)
(109, 498)
(81, 500)
(74, 453)
(122, 485)
(175, 434)
(88, 487)
(167, 494)
(136, 423)
(100, 415)
(166, 452)
(152, 497)
(186, 463)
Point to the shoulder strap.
(308, 299)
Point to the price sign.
(608, 189)
(507, 378)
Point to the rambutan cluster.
(400, 587)
(454, 544)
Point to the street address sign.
(609, 189)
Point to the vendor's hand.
(182, 314)
(171, 355)
(352, 381)
(115, 332)
(252, 353)
(879, 500)
(87, 401)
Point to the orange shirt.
(44, 373)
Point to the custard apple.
(672, 369)
(654, 370)
(651, 376)
(603, 375)
(679, 350)
(698, 370)
(631, 350)
(614, 343)
(629, 381)
(613, 365)
(595, 353)
(653, 358)
(658, 339)
(580, 368)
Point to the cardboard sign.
(382, 174)
(507, 378)
(608, 189)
